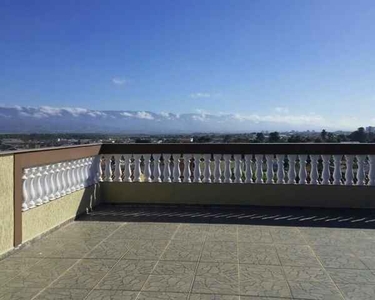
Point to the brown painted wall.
(238, 194)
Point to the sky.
(313, 59)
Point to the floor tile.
(216, 278)
(351, 276)
(85, 274)
(257, 254)
(213, 297)
(162, 296)
(17, 263)
(183, 250)
(6, 276)
(169, 283)
(261, 273)
(254, 235)
(297, 255)
(146, 249)
(112, 295)
(219, 252)
(287, 235)
(111, 249)
(63, 294)
(42, 274)
(357, 291)
(11, 293)
(305, 274)
(369, 262)
(314, 290)
(174, 267)
(342, 262)
(266, 288)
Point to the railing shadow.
(252, 215)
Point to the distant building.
(370, 129)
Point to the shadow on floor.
(275, 216)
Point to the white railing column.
(52, 177)
(337, 172)
(227, 170)
(259, 168)
(187, 172)
(39, 189)
(302, 169)
(217, 170)
(237, 168)
(25, 190)
(137, 168)
(197, 168)
(68, 177)
(361, 170)
(207, 168)
(118, 174)
(269, 159)
(280, 168)
(157, 172)
(372, 170)
(63, 181)
(314, 169)
(176, 168)
(147, 163)
(32, 188)
(46, 185)
(249, 172)
(349, 170)
(167, 168)
(292, 169)
(326, 173)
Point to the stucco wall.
(47, 216)
(238, 194)
(6, 203)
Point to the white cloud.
(144, 115)
(119, 81)
(282, 110)
(200, 95)
(126, 114)
(52, 111)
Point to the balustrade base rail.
(328, 196)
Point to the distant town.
(11, 142)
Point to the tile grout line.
(198, 262)
(79, 260)
(157, 262)
(317, 258)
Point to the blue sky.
(289, 58)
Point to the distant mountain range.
(47, 119)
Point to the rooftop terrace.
(256, 222)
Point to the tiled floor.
(98, 259)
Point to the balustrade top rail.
(300, 148)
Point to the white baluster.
(337, 172)
(32, 188)
(86, 182)
(280, 168)
(146, 158)
(82, 170)
(259, 170)
(100, 169)
(207, 168)
(227, 170)
(187, 171)
(302, 169)
(237, 168)
(39, 175)
(249, 171)
(52, 177)
(217, 170)
(57, 180)
(78, 175)
(167, 169)
(197, 168)
(25, 191)
(269, 159)
(372, 170)
(314, 169)
(349, 169)
(326, 174)
(90, 172)
(63, 180)
(176, 168)
(46, 184)
(68, 177)
(157, 172)
(137, 168)
(292, 168)
(73, 175)
(118, 168)
(108, 168)
(127, 168)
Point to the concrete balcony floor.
(124, 252)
